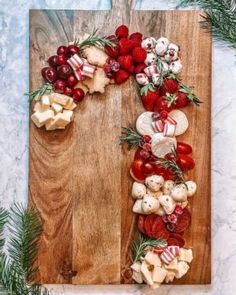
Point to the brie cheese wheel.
(181, 120)
(162, 145)
(144, 124)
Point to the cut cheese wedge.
(147, 274)
(159, 274)
(162, 145)
(69, 114)
(153, 258)
(144, 124)
(181, 120)
(45, 102)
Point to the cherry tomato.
(136, 170)
(148, 168)
(183, 148)
(185, 162)
(169, 175)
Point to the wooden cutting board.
(79, 178)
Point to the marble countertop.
(14, 139)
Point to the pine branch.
(3, 220)
(142, 244)
(131, 137)
(38, 93)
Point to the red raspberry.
(139, 54)
(122, 31)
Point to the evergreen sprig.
(219, 18)
(38, 93)
(17, 262)
(131, 137)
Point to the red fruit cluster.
(127, 52)
(60, 74)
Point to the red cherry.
(61, 59)
(71, 50)
(68, 91)
(64, 71)
(49, 74)
(148, 169)
(78, 95)
(61, 50)
(136, 170)
(71, 81)
(59, 86)
(52, 61)
(146, 138)
(147, 147)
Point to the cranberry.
(68, 91)
(78, 95)
(71, 50)
(61, 59)
(172, 218)
(146, 138)
(64, 71)
(49, 74)
(71, 81)
(147, 147)
(59, 86)
(61, 50)
(144, 154)
(52, 61)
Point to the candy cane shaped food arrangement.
(160, 189)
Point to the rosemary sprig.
(142, 244)
(190, 94)
(131, 137)
(94, 40)
(38, 93)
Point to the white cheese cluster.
(159, 196)
(153, 271)
(54, 111)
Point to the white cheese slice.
(182, 269)
(35, 119)
(186, 255)
(181, 120)
(46, 116)
(172, 265)
(57, 107)
(144, 124)
(51, 125)
(137, 276)
(153, 258)
(162, 145)
(45, 102)
(59, 98)
(68, 113)
(159, 274)
(136, 266)
(146, 273)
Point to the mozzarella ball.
(192, 188)
(137, 207)
(179, 193)
(168, 186)
(148, 44)
(167, 203)
(150, 59)
(161, 48)
(138, 190)
(173, 47)
(150, 204)
(154, 182)
(160, 211)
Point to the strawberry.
(125, 46)
(139, 68)
(126, 63)
(181, 100)
(162, 104)
(112, 51)
(121, 76)
(136, 38)
(122, 31)
(169, 86)
(139, 54)
(149, 96)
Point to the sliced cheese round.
(144, 124)
(181, 120)
(162, 145)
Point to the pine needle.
(131, 137)
(38, 93)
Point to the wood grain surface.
(79, 178)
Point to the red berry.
(144, 154)
(169, 86)
(112, 51)
(139, 54)
(49, 74)
(121, 76)
(122, 31)
(61, 59)
(147, 147)
(178, 210)
(126, 46)
(71, 50)
(136, 38)
(139, 68)
(149, 99)
(146, 138)
(68, 91)
(162, 105)
(78, 95)
(59, 86)
(71, 81)
(126, 63)
(182, 100)
(61, 50)
(52, 61)
(148, 169)
(64, 71)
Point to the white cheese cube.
(74, 106)
(186, 255)
(137, 276)
(170, 276)
(45, 102)
(59, 98)
(147, 274)
(182, 269)
(51, 125)
(159, 274)
(61, 120)
(38, 107)
(69, 114)
(46, 116)
(69, 104)
(136, 266)
(173, 265)
(35, 119)
(57, 107)
(153, 258)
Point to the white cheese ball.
(176, 67)
(150, 204)
(179, 193)
(163, 40)
(173, 47)
(192, 188)
(161, 48)
(138, 190)
(151, 59)
(171, 55)
(167, 203)
(156, 79)
(137, 207)
(148, 44)
(168, 186)
(154, 182)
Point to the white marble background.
(14, 140)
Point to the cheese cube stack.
(54, 111)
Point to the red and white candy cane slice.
(167, 256)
